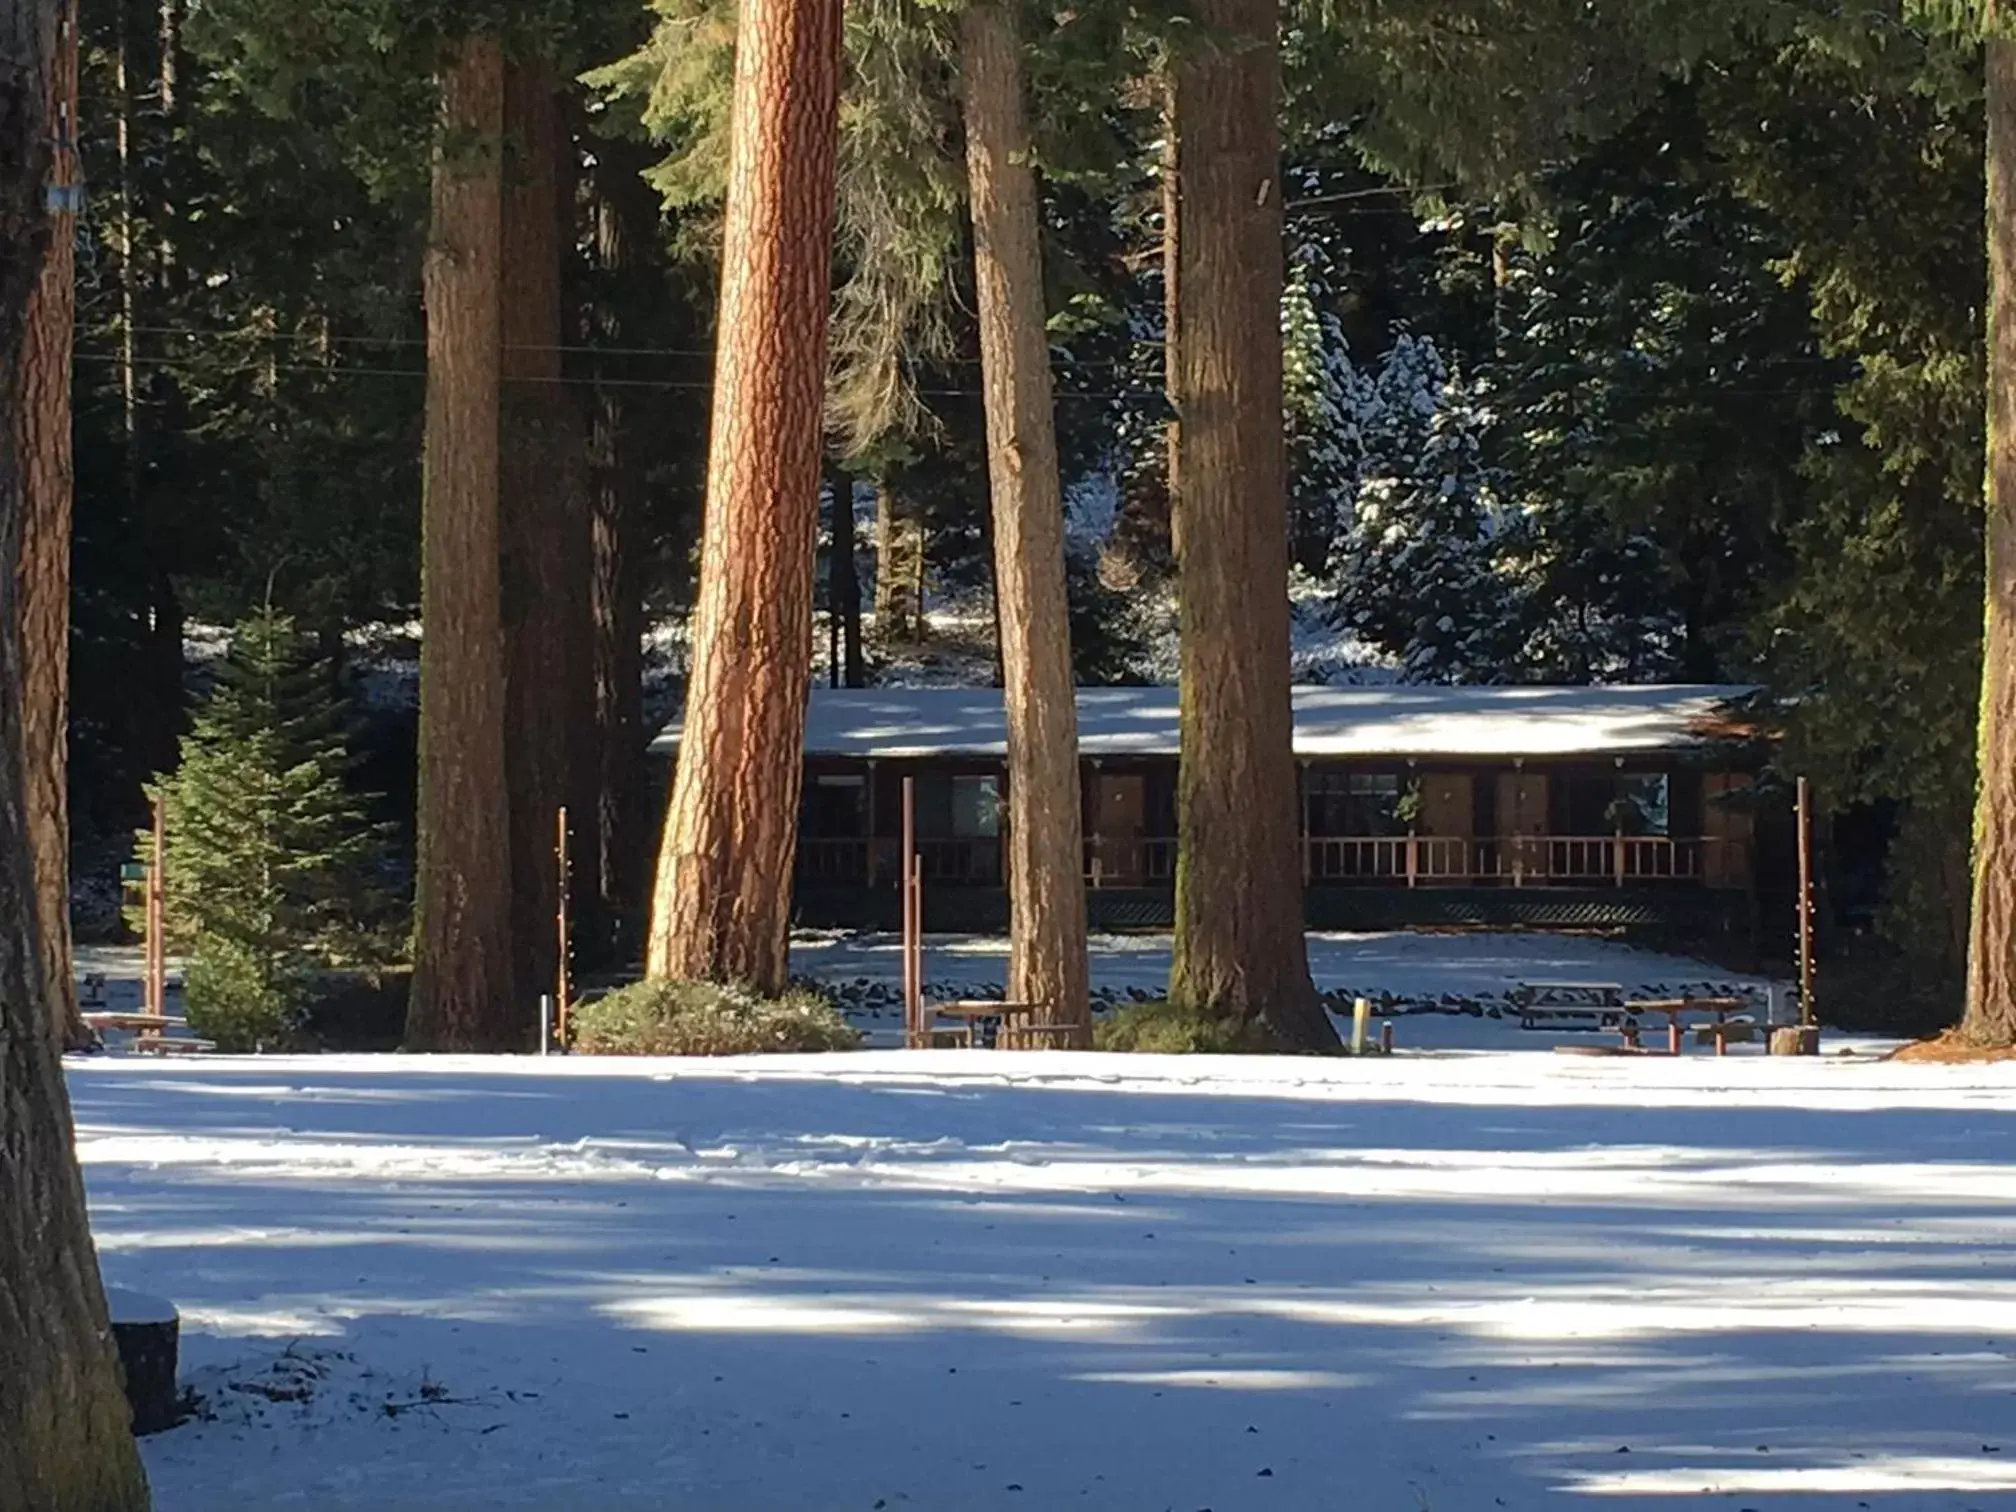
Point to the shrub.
(656, 1017)
(1161, 1028)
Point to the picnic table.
(1014, 1026)
(1720, 1028)
(1586, 1005)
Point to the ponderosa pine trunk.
(1991, 957)
(1046, 848)
(1239, 951)
(722, 911)
(462, 969)
(65, 1443)
(47, 478)
(542, 504)
(625, 224)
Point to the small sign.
(133, 871)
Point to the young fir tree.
(1418, 573)
(273, 868)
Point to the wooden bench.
(156, 1044)
(140, 1022)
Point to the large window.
(1354, 803)
(1629, 803)
(976, 807)
(835, 807)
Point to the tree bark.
(462, 987)
(723, 905)
(1239, 951)
(625, 225)
(844, 583)
(47, 477)
(65, 1440)
(542, 503)
(1046, 848)
(1990, 1018)
(899, 567)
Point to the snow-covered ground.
(985, 1280)
(1450, 985)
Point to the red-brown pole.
(157, 915)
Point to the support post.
(1361, 1017)
(911, 986)
(1806, 1007)
(1413, 859)
(157, 913)
(562, 996)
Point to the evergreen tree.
(1418, 572)
(274, 872)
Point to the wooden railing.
(1340, 860)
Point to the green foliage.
(1162, 1028)
(659, 1017)
(274, 873)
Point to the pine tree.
(1418, 572)
(274, 871)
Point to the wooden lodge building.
(1521, 806)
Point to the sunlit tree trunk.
(462, 970)
(1046, 853)
(1239, 951)
(723, 905)
(1991, 961)
(65, 1445)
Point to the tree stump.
(1795, 1039)
(148, 1333)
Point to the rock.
(148, 1333)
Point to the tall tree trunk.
(65, 1445)
(625, 226)
(1046, 847)
(723, 905)
(462, 987)
(1991, 958)
(549, 694)
(45, 549)
(1239, 952)
(845, 583)
(899, 567)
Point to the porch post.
(870, 868)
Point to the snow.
(993, 1280)
(128, 1306)
(1448, 987)
(1383, 720)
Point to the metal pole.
(1806, 1014)
(545, 1023)
(910, 920)
(561, 995)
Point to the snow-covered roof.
(1387, 720)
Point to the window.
(1354, 803)
(1644, 804)
(835, 807)
(976, 807)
